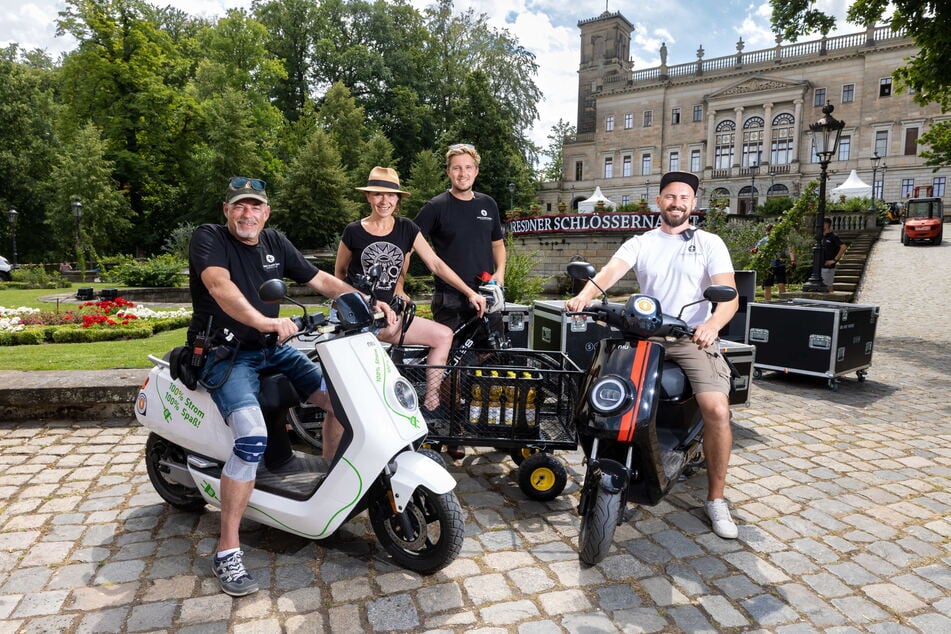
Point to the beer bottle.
(495, 400)
(531, 409)
(508, 409)
(475, 402)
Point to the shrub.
(162, 270)
(520, 285)
(36, 276)
(71, 334)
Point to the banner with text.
(581, 223)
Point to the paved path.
(843, 501)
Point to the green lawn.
(132, 353)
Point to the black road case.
(812, 337)
(575, 336)
(742, 356)
(516, 319)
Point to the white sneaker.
(719, 513)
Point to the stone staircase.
(849, 270)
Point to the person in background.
(466, 232)
(675, 263)
(777, 268)
(227, 264)
(832, 249)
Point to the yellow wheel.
(519, 454)
(542, 477)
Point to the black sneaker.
(232, 577)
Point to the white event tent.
(588, 205)
(853, 187)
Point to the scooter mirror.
(719, 293)
(581, 270)
(272, 290)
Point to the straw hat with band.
(384, 180)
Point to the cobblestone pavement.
(843, 502)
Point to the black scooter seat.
(674, 385)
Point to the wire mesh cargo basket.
(505, 399)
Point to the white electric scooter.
(408, 495)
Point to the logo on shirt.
(484, 215)
(270, 262)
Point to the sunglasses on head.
(461, 146)
(240, 182)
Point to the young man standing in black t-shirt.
(466, 231)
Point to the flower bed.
(105, 320)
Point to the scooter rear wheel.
(598, 526)
(182, 497)
(435, 534)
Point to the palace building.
(741, 122)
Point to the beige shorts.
(707, 369)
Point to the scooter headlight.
(611, 395)
(405, 394)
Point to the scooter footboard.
(414, 470)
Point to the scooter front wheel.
(160, 457)
(427, 536)
(598, 525)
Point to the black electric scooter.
(638, 420)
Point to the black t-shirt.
(830, 246)
(462, 232)
(388, 251)
(272, 257)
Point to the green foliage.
(160, 271)
(774, 207)
(178, 241)
(36, 276)
(76, 334)
(790, 229)
(521, 286)
(26, 337)
(315, 202)
(554, 169)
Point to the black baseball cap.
(680, 177)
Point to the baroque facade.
(741, 122)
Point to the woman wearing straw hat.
(387, 239)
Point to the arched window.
(725, 139)
(720, 194)
(783, 148)
(778, 191)
(753, 130)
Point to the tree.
(28, 143)
(480, 119)
(82, 172)
(313, 204)
(126, 77)
(377, 151)
(344, 121)
(554, 170)
(927, 74)
(427, 177)
(290, 26)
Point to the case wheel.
(542, 477)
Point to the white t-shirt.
(676, 271)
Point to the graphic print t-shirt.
(388, 251)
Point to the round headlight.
(405, 394)
(611, 395)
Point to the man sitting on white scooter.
(227, 264)
(675, 263)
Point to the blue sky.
(546, 27)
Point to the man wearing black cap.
(227, 264)
(674, 264)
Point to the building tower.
(605, 58)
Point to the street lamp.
(511, 196)
(753, 167)
(571, 203)
(78, 215)
(882, 190)
(875, 159)
(12, 217)
(825, 141)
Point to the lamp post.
(12, 217)
(753, 169)
(77, 208)
(875, 159)
(825, 140)
(882, 194)
(571, 202)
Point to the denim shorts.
(240, 388)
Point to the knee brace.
(250, 441)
